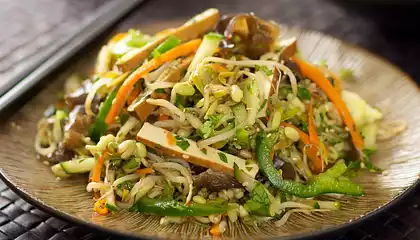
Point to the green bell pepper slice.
(175, 208)
(99, 128)
(330, 181)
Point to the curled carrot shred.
(318, 165)
(125, 90)
(96, 175)
(311, 149)
(316, 75)
(145, 171)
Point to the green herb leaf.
(203, 150)
(304, 94)
(259, 194)
(223, 157)
(264, 69)
(207, 130)
(369, 165)
(168, 191)
(259, 201)
(182, 143)
(160, 90)
(369, 152)
(123, 118)
(305, 127)
(316, 205)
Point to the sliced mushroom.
(195, 27)
(141, 108)
(215, 181)
(248, 35)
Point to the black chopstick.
(56, 56)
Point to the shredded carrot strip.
(317, 163)
(316, 75)
(133, 95)
(125, 90)
(311, 149)
(96, 175)
(313, 134)
(145, 171)
(100, 208)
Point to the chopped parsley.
(305, 127)
(264, 69)
(316, 205)
(369, 152)
(223, 157)
(182, 143)
(203, 150)
(160, 90)
(304, 94)
(207, 130)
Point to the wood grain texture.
(380, 83)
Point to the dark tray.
(20, 220)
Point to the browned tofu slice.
(194, 28)
(166, 142)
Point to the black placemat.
(20, 220)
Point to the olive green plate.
(382, 84)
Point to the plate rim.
(305, 236)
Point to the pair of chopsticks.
(58, 54)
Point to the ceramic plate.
(382, 84)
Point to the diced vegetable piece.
(156, 138)
(59, 171)
(207, 48)
(239, 111)
(202, 23)
(123, 43)
(252, 101)
(131, 165)
(369, 132)
(242, 137)
(247, 181)
(168, 44)
(78, 166)
(361, 112)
